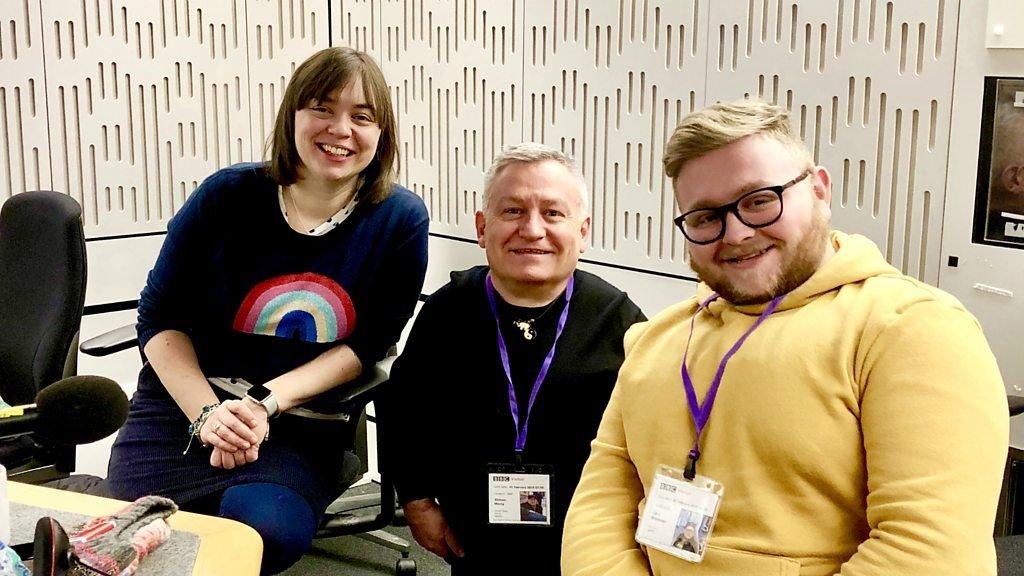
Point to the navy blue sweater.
(258, 299)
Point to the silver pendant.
(527, 327)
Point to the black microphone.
(72, 411)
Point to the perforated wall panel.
(145, 100)
(869, 83)
(128, 105)
(282, 33)
(457, 84)
(608, 82)
(24, 146)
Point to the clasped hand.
(235, 430)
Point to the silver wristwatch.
(264, 396)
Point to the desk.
(226, 547)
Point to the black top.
(447, 412)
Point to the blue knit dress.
(258, 299)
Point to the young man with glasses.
(820, 411)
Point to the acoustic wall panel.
(869, 84)
(356, 24)
(146, 100)
(24, 147)
(607, 82)
(456, 69)
(140, 101)
(282, 33)
(127, 106)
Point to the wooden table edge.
(226, 547)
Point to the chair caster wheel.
(405, 566)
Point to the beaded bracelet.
(197, 425)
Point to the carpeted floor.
(352, 556)
(1010, 555)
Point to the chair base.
(343, 518)
(36, 472)
(352, 503)
(387, 540)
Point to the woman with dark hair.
(277, 283)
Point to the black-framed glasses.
(756, 209)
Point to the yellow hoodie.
(861, 430)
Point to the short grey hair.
(529, 153)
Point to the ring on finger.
(217, 426)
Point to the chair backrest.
(42, 290)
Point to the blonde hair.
(723, 123)
(529, 153)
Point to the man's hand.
(430, 529)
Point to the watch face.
(258, 392)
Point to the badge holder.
(679, 514)
(519, 494)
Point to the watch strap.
(269, 401)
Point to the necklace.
(298, 217)
(299, 222)
(526, 325)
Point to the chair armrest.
(347, 523)
(364, 388)
(107, 343)
(1016, 404)
(358, 392)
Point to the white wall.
(980, 265)
(127, 105)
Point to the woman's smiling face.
(336, 138)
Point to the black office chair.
(1009, 529)
(42, 297)
(1010, 513)
(348, 515)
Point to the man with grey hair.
(819, 411)
(506, 372)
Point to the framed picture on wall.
(999, 197)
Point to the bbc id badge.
(519, 494)
(679, 514)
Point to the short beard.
(807, 258)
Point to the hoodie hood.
(856, 259)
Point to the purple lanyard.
(503, 351)
(701, 412)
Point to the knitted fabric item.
(114, 545)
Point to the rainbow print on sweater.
(308, 306)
